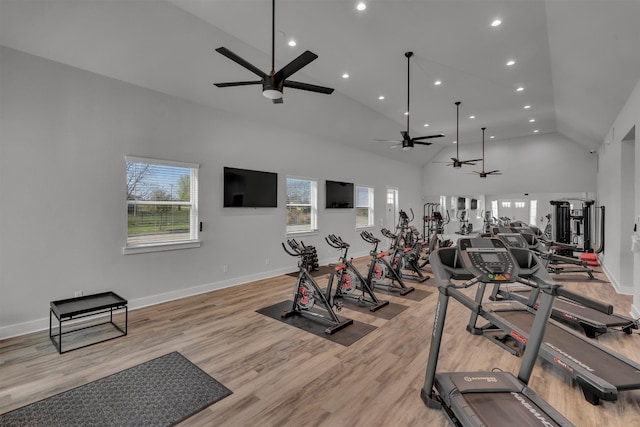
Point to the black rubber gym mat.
(346, 336)
(387, 312)
(415, 295)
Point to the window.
(506, 204)
(302, 205)
(364, 206)
(520, 204)
(533, 211)
(162, 205)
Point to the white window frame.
(313, 225)
(192, 241)
(369, 205)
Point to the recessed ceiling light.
(381, 97)
(496, 23)
(536, 131)
(437, 82)
(455, 142)
(426, 125)
(345, 76)
(472, 117)
(492, 137)
(532, 120)
(510, 62)
(526, 107)
(292, 43)
(519, 89)
(406, 113)
(361, 6)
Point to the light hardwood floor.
(282, 376)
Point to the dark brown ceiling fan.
(407, 142)
(274, 82)
(456, 162)
(483, 173)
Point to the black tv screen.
(339, 195)
(250, 189)
(474, 204)
(461, 203)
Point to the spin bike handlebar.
(369, 238)
(336, 242)
(298, 249)
(386, 233)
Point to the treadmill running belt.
(602, 364)
(586, 313)
(511, 409)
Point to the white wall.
(619, 223)
(65, 133)
(548, 163)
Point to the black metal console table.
(89, 305)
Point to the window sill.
(301, 233)
(159, 247)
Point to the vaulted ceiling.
(576, 60)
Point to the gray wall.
(65, 133)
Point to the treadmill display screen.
(490, 258)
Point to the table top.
(87, 303)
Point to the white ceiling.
(578, 60)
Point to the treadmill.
(593, 322)
(486, 397)
(600, 372)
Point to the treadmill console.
(513, 240)
(488, 259)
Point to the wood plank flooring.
(282, 376)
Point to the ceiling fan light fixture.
(272, 93)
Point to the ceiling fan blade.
(307, 86)
(388, 140)
(255, 82)
(470, 161)
(277, 101)
(495, 172)
(439, 135)
(396, 145)
(288, 70)
(421, 142)
(235, 58)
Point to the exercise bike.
(380, 269)
(307, 292)
(405, 258)
(349, 279)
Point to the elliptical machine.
(307, 291)
(349, 278)
(380, 269)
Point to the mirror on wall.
(469, 213)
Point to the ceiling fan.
(456, 162)
(407, 142)
(274, 82)
(484, 174)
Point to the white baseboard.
(43, 323)
(624, 290)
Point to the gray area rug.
(160, 392)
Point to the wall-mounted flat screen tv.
(250, 189)
(339, 195)
(474, 204)
(461, 203)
